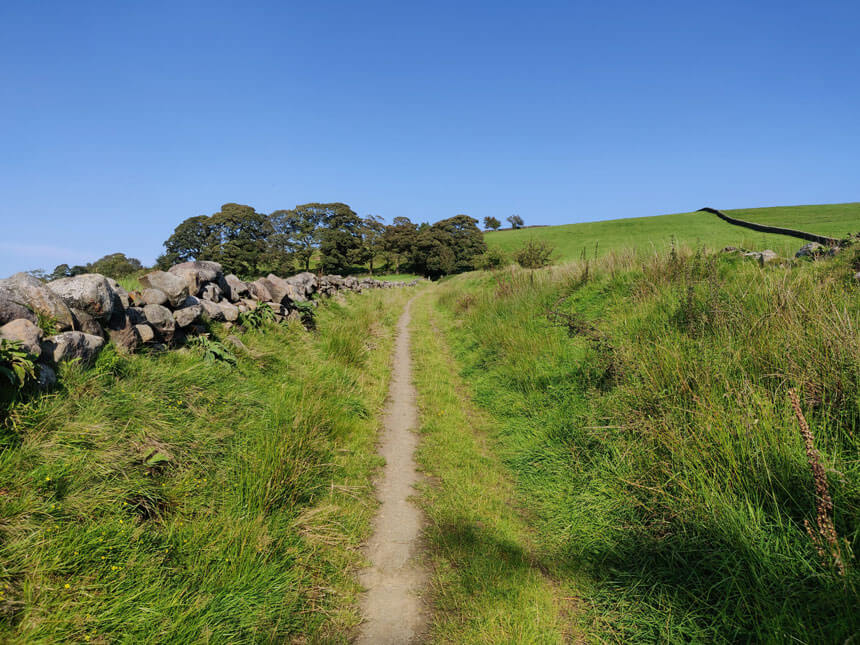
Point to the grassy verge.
(648, 427)
(649, 235)
(162, 498)
(489, 581)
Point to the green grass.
(655, 447)
(649, 234)
(161, 498)
(489, 584)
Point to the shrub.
(534, 254)
(17, 369)
(491, 259)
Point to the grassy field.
(648, 428)
(650, 234)
(161, 498)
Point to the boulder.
(211, 291)
(121, 293)
(197, 273)
(282, 290)
(187, 315)
(145, 333)
(135, 315)
(12, 307)
(236, 289)
(810, 250)
(231, 311)
(154, 297)
(172, 285)
(161, 320)
(763, 257)
(86, 323)
(46, 376)
(125, 336)
(71, 345)
(88, 292)
(260, 290)
(35, 295)
(250, 304)
(26, 333)
(306, 282)
(212, 311)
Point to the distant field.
(646, 234)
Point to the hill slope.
(645, 234)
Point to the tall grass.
(648, 422)
(162, 498)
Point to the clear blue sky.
(120, 119)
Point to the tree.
(191, 240)
(341, 242)
(298, 231)
(238, 238)
(492, 223)
(372, 232)
(115, 265)
(399, 241)
(516, 221)
(466, 240)
(434, 256)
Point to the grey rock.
(810, 250)
(282, 290)
(152, 296)
(161, 320)
(35, 295)
(89, 292)
(211, 291)
(857, 277)
(236, 289)
(238, 344)
(212, 311)
(125, 338)
(26, 333)
(12, 307)
(306, 282)
(47, 376)
(121, 294)
(172, 285)
(86, 323)
(71, 345)
(187, 315)
(231, 311)
(260, 290)
(763, 257)
(135, 315)
(197, 273)
(145, 333)
(250, 304)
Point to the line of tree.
(331, 236)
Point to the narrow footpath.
(392, 608)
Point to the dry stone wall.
(89, 310)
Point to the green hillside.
(645, 234)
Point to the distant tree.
(516, 221)
(341, 242)
(191, 240)
(238, 238)
(492, 223)
(299, 230)
(115, 265)
(60, 271)
(434, 256)
(372, 232)
(467, 242)
(399, 241)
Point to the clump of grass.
(228, 502)
(679, 485)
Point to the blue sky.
(118, 119)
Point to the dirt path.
(392, 607)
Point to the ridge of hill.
(656, 233)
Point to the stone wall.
(89, 310)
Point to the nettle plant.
(17, 368)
